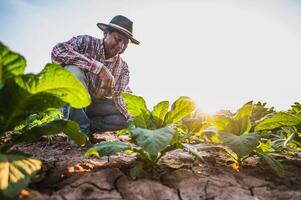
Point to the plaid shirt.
(87, 53)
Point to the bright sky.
(220, 53)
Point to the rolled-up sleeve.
(122, 85)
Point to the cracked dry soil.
(67, 175)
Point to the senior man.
(98, 65)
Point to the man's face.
(115, 43)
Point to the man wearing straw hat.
(98, 65)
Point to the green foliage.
(274, 164)
(259, 111)
(285, 128)
(159, 112)
(182, 107)
(16, 170)
(295, 108)
(136, 106)
(29, 106)
(108, 148)
(70, 128)
(38, 119)
(242, 145)
(150, 145)
(193, 151)
(195, 127)
(237, 124)
(152, 141)
(160, 116)
(235, 132)
(153, 133)
(29, 94)
(11, 64)
(278, 120)
(193, 123)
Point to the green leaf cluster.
(29, 106)
(160, 116)
(195, 127)
(239, 132)
(152, 132)
(285, 128)
(11, 64)
(16, 170)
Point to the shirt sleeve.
(121, 85)
(72, 52)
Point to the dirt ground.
(68, 175)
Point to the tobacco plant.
(29, 110)
(238, 132)
(283, 131)
(194, 125)
(153, 133)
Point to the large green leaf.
(295, 108)
(244, 111)
(39, 118)
(244, 125)
(241, 120)
(28, 94)
(134, 104)
(193, 125)
(159, 112)
(274, 164)
(11, 64)
(136, 107)
(182, 107)
(278, 120)
(191, 149)
(242, 145)
(265, 146)
(152, 141)
(220, 122)
(238, 127)
(195, 122)
(144, 120)
(107, 148)
(68, 127)
(259, 111)
(16, 170)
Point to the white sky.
(220, 53)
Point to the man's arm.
(72, 53)
(121, 85)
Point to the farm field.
(172, 151)
(66, 174)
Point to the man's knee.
(120, 120)
(108, 123)
(102, 107)
(78, 73)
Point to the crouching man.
(98, 65)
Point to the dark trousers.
(101, 115)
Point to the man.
(105, 75)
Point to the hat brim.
(103, 27)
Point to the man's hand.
(107, 82)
